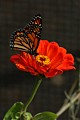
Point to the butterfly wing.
(28, 38)
(33, 31)
(19, 41)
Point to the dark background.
(61, 23)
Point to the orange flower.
(50, 61)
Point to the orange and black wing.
(28, 38)
(19, 41)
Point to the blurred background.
(61, 23)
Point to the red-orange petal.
(68, 63)
(52, 73)
(42, 47)
(52, 50)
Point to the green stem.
(33, 94)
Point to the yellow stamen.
(43, 60)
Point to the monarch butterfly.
(27, 39)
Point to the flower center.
(43, 60)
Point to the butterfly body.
(27, 39)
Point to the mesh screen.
(61, 23)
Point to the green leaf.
(14, 112)
(45, 116)
(27, 116)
